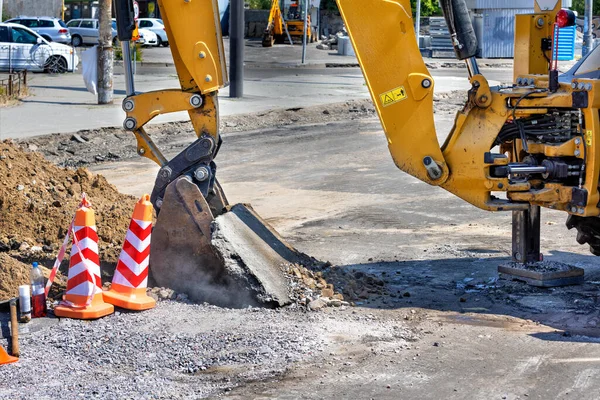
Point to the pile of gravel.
(175, 350)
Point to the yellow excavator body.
(402, 92)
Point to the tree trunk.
(105, 54)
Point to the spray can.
(38, 293)
(24, 303)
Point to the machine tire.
(588, 231)
(159, 41)
(48, 38)
(76, 41)
(115, 42)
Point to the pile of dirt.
(38, 201)
(14, 273)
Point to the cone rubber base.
(129, 301)
(5, 358)
(95, 310)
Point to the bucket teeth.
(216, 200)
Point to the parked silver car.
(85, 31)
(157, 27)
(51, 29)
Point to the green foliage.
(5, 15)
(579, 6)
(428, 7)
(260, 4)
(118, 53)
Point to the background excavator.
(534, 143)
(290, 25)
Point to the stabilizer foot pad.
(542, 274)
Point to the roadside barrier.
(128, 289)
(15, 85)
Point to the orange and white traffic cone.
(5, 358)
(128, 289)
(83, 298)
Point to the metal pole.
(305, 31)
(318, 23)
(236, 56)
(1, 18)
(126, 49)
(418, 22)
(588, 40)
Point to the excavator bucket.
(232, 260)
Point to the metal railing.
(15, 85)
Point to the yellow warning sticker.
(393, 96)
(588, 138)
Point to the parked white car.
(21, 48)
(147, 38)
(155, 25)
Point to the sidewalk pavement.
(61, 104)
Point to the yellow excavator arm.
(534, 143)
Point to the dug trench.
(427, 316)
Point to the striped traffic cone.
(83, 298)
(128, 289)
